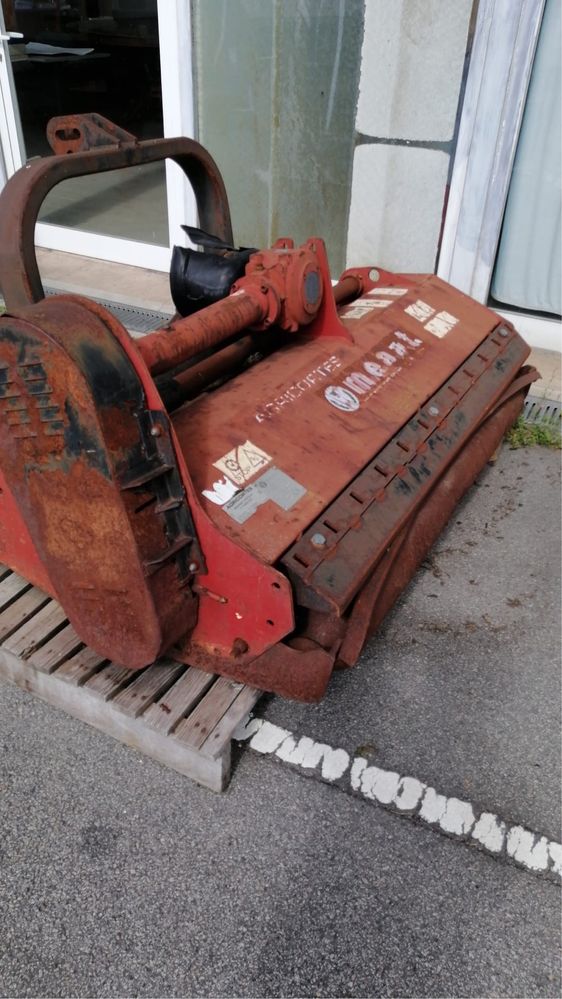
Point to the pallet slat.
(36, 631)
(222, 732)
(196, 727)
(80, 667)
(56, 650)
(109, 681)
(178, 700)
(10, 587)
(21, 611)
(41, 652)
(147, 686)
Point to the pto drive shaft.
(282, 286)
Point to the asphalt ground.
(121, 878)
(461, 687)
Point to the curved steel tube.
(25, 192)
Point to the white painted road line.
(406, 796)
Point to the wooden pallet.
(178, 715)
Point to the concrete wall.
(412, 62)
(333, 118)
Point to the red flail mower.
(249, 488)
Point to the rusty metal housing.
(250, 487)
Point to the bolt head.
(433, 411)
(239, 647)
(193, 566)
(155, 431)
(318, 540)
(503, 331)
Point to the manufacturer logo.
(357, 387)
(341, 398)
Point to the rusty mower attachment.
(250, 487)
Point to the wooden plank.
(11, 587)
(179, 700)
(77, 701)
(56, 651)
(37, 631)
(222, 733)
(40, 651)
(109, 681)
(196, 727)
(147, 687)
(21, 611)
(80, 667)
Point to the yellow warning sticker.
(242, 463)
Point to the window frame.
(501, 62)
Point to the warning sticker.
(395, 292)
(273, 485)
(242, 463)
(363, 306)
(420, 311)
(441, 323)
(222, 491)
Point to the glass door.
(108, 56)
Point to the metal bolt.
(503, 331)
(193, 566)
(318, 539)
(155, 431)
(433, 411)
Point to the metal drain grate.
(135, 320)
(542, 411)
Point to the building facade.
(417, 135)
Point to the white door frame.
(11, 138)
(501, 62)
(174, 30)
(178, 102)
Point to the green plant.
(524, 434)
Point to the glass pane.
(277, 87)
(113, 68)
(528, 271)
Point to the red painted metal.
(16, 545)
(75, 133)
(184, 339)
(248, 488)
(273, 292)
